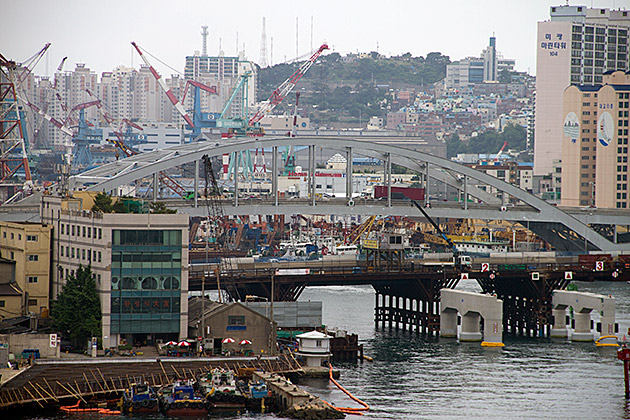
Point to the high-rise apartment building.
(595, 143)
(222, 72)
(576, 46)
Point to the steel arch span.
(566, 232)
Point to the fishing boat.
(180, 399)
(140, 398)
(221, 389)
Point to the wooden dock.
(57, 382)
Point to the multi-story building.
(519, 175)
(576, 46)
(139, 262)
(222, 72)
(595, 144)
(28, 244)
(471, 70)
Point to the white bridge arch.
(563, 230)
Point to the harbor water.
(415, 377)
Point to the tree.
(77, 311)
(102, 203)
(160, 208)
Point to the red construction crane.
(11, 131)
(169, 93)
(285, 88)
(496, 158)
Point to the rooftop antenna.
(297, 54)
(271, 55)
(263, 46)
(311, 33)
(204, 41)
(237, 43)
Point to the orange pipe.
(346, 410)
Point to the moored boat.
(180, 399)
(221, 389)
(140, 398)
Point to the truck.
(400, 193)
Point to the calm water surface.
(426, 378)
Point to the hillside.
(350, 88)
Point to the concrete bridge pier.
(582, 331)
(448, 323)
(583, 305)
(559, 329)
(471, 321)
(472, 307)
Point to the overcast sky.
(98, 33)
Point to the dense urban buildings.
(576, 46)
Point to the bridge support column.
(349, 174)
(465, 192)
(196, 187)
(559, 329)
(235, 179)
(448, 323)
(426, 184)
(274, 175)
(582, 330)
(388, 177)
(470, 327)
(608, 317)
(156, 186)
(311, 173)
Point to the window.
(73, 252)
(89, 232)
(318, 343)
(99, 256)
(31, 238)
(100, 233)
(33, 257)
(83, 254)
(32, 279)
(72, 230)
(63, 228)
(32, 302)
(84, 231)
(19, 236)
(236, 320)
(1, 303)
(12, 235)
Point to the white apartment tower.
(576, 46)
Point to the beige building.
(576, 46)
(595, 143)
(28, 244)
(11, 296)
(139, 262)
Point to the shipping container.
(380, 191)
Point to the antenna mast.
(204, 41)
(263, 46)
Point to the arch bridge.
(568, 231)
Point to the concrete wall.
(19, 342)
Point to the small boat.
(77, 409)
(180, 399)
(140, 398)
(221, 389)
(607, 341)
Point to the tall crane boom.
(165, 88)
(285, 88)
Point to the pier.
(58, 382)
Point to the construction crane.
(451, 245)
(13, 156)
(496, 158)
(285, 88)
